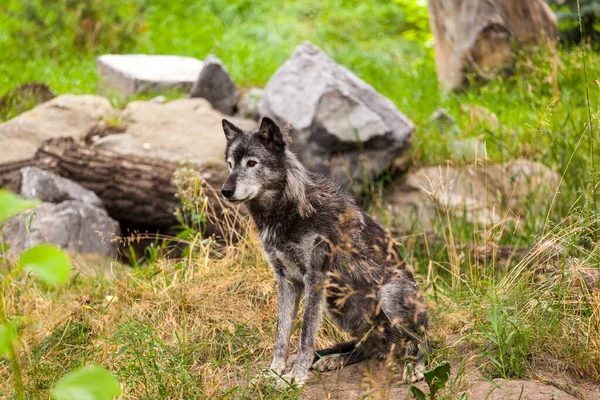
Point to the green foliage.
(146, 359)
(51, 265)
(436, 379)
(90, 26)
(11, 205)
(47, 262)
(88, 383)
(568, 18)
(542, 116)
(8, 334)
(416, 20)
(66, 347)
(509, 343)
(55, 42)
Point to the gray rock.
(52, 188)
(64, 116)
(215, 85)
(468, 150)
(443, 119)
(128, 74)
(180, 130)
(159, 99)
(481, 117)
(73, 225)
(480, 195)
(249, 104)
(24, 97)
(341, 125)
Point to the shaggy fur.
(320, 243)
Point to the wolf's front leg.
(288, 297)
(311, 321)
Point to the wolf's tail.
(339, 355)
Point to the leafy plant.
(436, 380)
(509, 344)
(52, 266)
(416, 20)
(568, 18)
(88, 25)
(93, 383)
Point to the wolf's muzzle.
(227, 191)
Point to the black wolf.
(319, 242)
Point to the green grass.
(203, 327)
(255, 38)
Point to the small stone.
(443, 119)
(159, 99)
(249, 106)
(481, 117)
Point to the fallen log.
(483, 36)
(135, 191)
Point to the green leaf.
(489, 337)
(11, 205)
(493, 360)
(437, 377)
(49, 263)
(8, 334)
(418, 393)
(87, 383)
(4, 248)
(510, 337)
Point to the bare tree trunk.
(134, 190)
(479, 36)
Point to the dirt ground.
(363, 381)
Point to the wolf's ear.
(269, 132)
(231, 131)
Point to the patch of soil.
(500, 389)
(363, 380)
(366, 380)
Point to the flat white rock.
(128, 74)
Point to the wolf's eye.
(251, 163)
(229, 164)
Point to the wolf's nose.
(227, 191)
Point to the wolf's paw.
(298, 376)
(413, 373)
(268, 374)
(328, 363)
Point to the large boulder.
(215, 85)
(52, 188)
(341, 125)
(63, 116)
(128, 74)
(71, 217)
(73, 225)
(479, 195)
(185, 129)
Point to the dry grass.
(203, 326)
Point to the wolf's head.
(256, 161)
